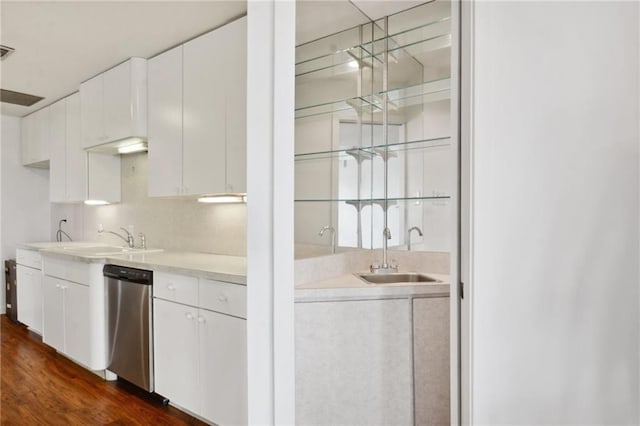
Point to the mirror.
(372, 135)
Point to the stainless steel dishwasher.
(129, 322)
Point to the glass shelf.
(430, 91)
(368, 153)
(431, 36)
(334, 55)
(354, 201)
(347, 61)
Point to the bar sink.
(393, 278)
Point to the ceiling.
(60, 44)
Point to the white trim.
(466, 204)
(270, 290)
(283, 211)
(454, 257)
(260, 60)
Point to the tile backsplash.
(171, 224)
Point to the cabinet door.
(91, 109)
(117, 102)
(204, 116)
(53, 313)
(76, 161)
(223, 368)
(353, 363)
(76, 320)
(26, 137)
(236, 98)
(175, 335)
(58, 158)
(165, 123)
(30, 297)
(40, 148)
(431, 361)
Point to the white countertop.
(203, 265)
(349, 286)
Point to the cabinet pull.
(201, 320)
(189, 315)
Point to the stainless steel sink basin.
(406, 277)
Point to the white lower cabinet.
(175, 353)
(200, 355)
(74, 311)
(30, 297)
(223, 369)
(53, 313)
(66, 318)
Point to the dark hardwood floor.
(40, 387)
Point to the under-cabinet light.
(96, 202)
(135, 147)
(223, 198)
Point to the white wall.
(554, 277)
(24, 196)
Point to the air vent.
(5, 51)
(17, 98)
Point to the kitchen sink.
(393, 278)
(107, 250)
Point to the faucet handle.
(143, 240)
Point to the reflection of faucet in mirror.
(129, 239)
(415, 228)
(333, 236)
(60, 232)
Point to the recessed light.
(96, 202)
(223, 198)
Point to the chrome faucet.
(415, 228)
(333, 236)
(386, 267)
(60, 232)
(128, 239)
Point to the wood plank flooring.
(40, 387)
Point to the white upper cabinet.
(165, 123)
(76, 156)
(205, 113)
(57, 145)
(35, 139)
(76, 175)
(197, 115)
(236, 98)
(114, 104)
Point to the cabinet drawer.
(29, 258)
(69, 270)
(177, 288)
(223, 297)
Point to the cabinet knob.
(57, 285)
(189, 315)
(170, 287)
(222, 298)
(201, 320)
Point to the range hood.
(122, 146)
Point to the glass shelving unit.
(364, 144)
